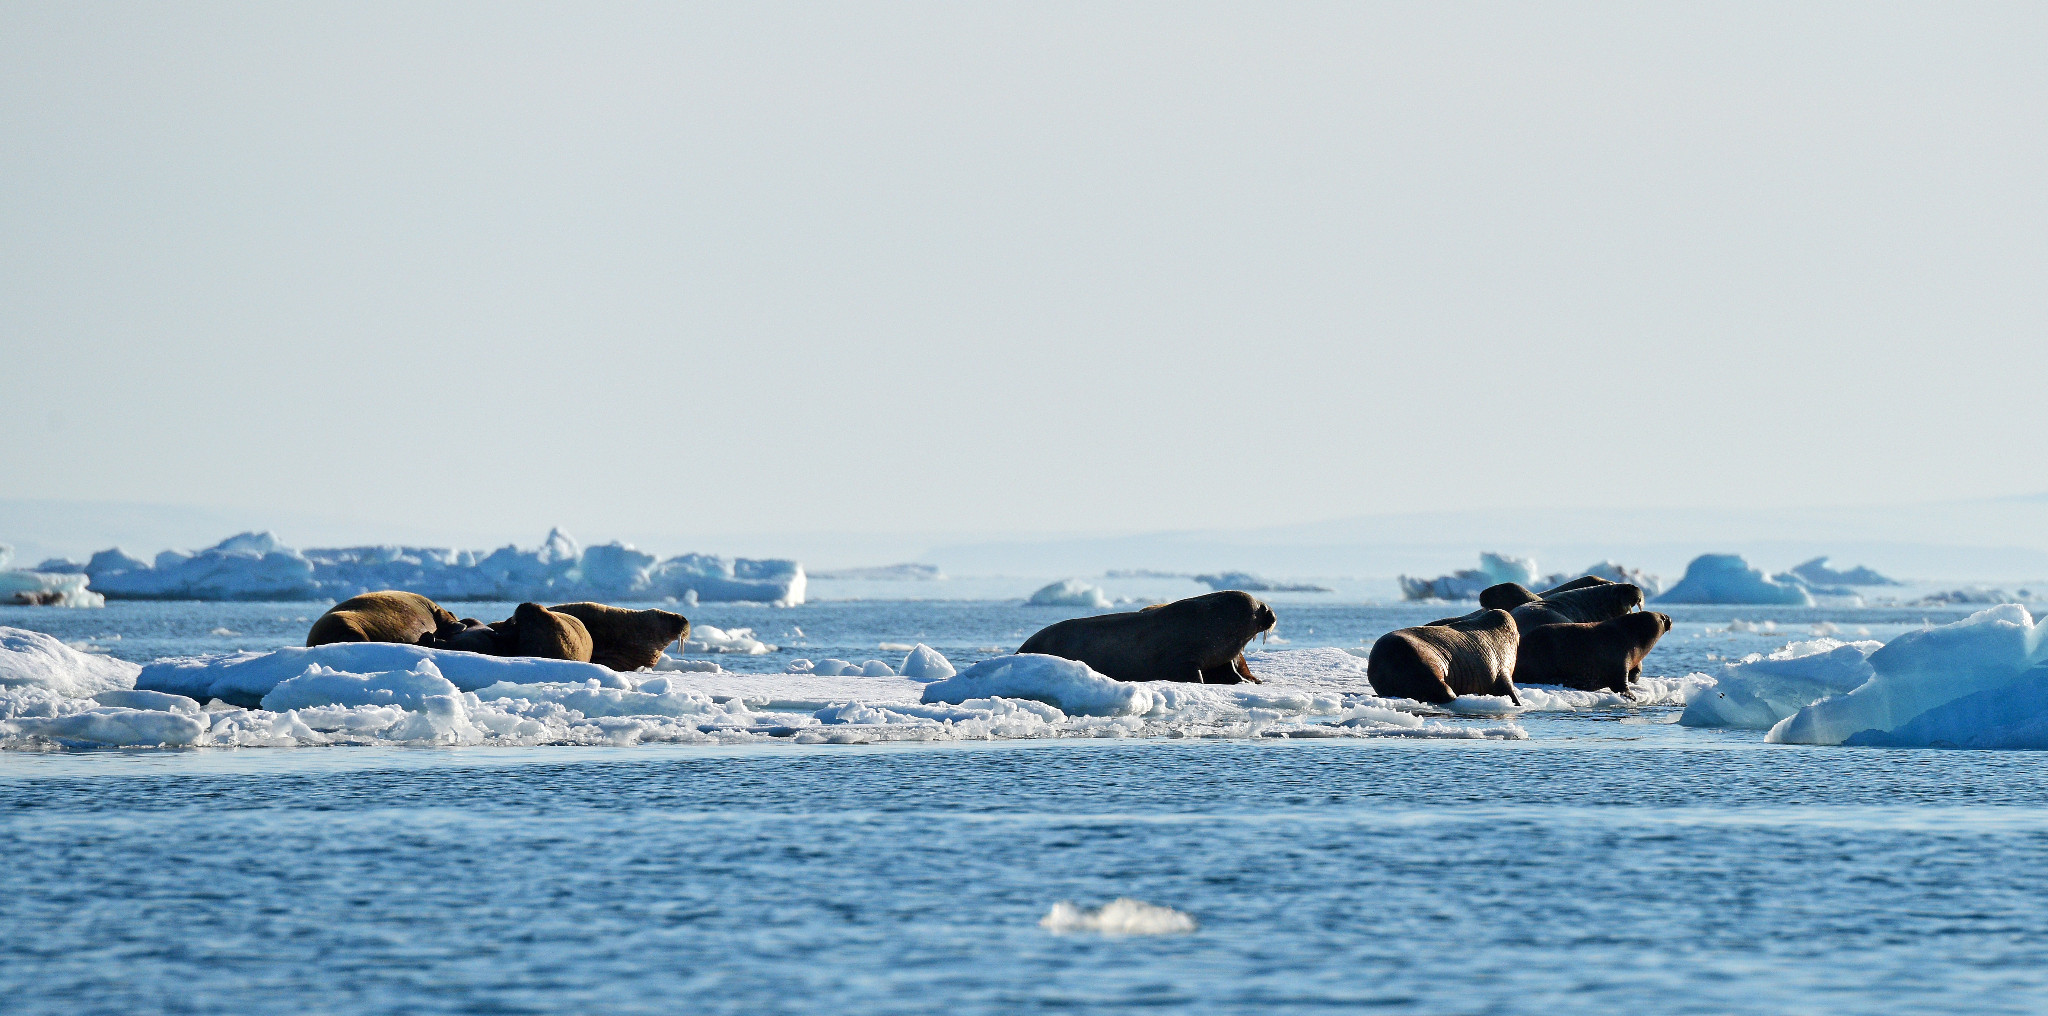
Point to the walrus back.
(388, 615)
(1197, 639)
(1473, 655)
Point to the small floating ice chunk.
(877, 668)
(1121, 917)
(706, 639)
(833, 668)
(926, 664)
(1071, 686)
(1071, 593)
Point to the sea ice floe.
(706, 639)
(369, 693)
(244, 678)
(1119, 917)
(1072, 687)
(31, 659)
(1993, 659)
(1758, 691)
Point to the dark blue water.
(1589, 874)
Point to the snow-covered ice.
(245, 678)
(926, 664)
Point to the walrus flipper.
(1244, 670)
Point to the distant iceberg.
(1071, 593)
(1816, 572)
(256, 566)
(1493, 570)
(48, 589)
(1612, 571)
(1977, 683)
(1250, 583)
(885, 573)
(1727, 578)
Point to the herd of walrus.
(1588, 633)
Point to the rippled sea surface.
(1612, 863)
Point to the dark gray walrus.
(1471, 655)
(1199, 640)
(1600, 656)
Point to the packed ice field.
(186, 674)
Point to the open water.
(1611, 863)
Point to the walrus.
(626, 640)
(1509, 595)
(1584, 604)
(1473, 655)
(538, 631)
(1199, 640)
(1598, 656)
(386, 616)
(474, 636)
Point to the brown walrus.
(1472, 655)
(387, 616)
(1199, 640)
(626, 639)
(1585, 604)
(1598, 656)
(549, 635)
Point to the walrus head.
(1597, 603)
(1505, 596)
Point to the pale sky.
(973, 267)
